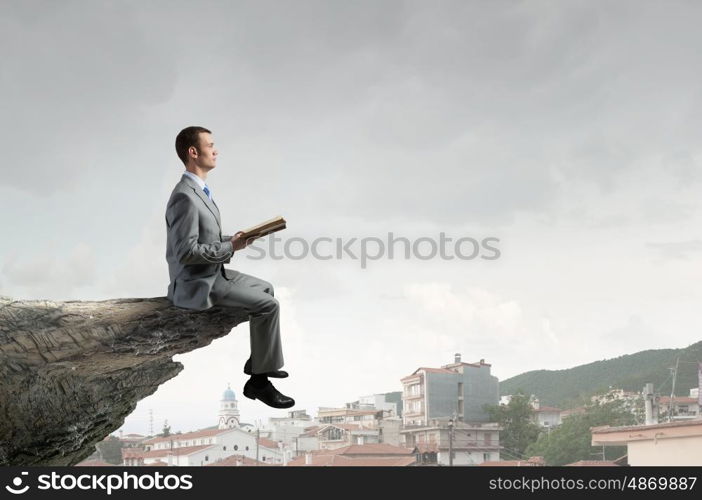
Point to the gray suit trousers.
(255, 296)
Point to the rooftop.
(188, 435)
(268, 443)
(344, 461)
(531, 462)
(593, 463)
(94, 463)
(183, 450)
(234, 460)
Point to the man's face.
(207, 154)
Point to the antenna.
(672, 390)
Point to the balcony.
(413, 395)
(472, 445)
(413, 413)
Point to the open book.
(264, 228)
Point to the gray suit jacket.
(196, 250)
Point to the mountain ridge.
(566, 387)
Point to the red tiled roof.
(310, 431)
(132, 452)
(536, 461)
(428, 370)
(679, 399)
(183, 450)
(344, 461)
(94, 463)
(187, 435)
(233, 459)
(682, 423)
(268, 443)
(376, 449)
(347, 411)
(592, 463)
(443, 369)
(510, 463)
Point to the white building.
(471, 443)
(287, 429)
(670, 444)
(684, 407)
(380, 402)
(307, 441)
(545, 416)
(206, 446)
(334, 436)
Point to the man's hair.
(189, 136)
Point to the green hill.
(562, 388)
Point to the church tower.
(228, 411)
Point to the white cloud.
(142, 271)
(47, 276)
(472, 312)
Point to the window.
(427, 458)
(486, 457)
(224, 448)
(207, 457)
(413, 390)
(247, 448)
(236, 447)
(334, 434)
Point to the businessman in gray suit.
(196, 252)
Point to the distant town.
(450, 415)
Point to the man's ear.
(192, 150)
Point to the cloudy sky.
(568, 130)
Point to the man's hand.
(238, 242)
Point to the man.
(196, 253)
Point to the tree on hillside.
(166, 429)
(571, 441)
(110, 450)
(519, 430)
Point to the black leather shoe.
(268, 395)
(273, 374)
